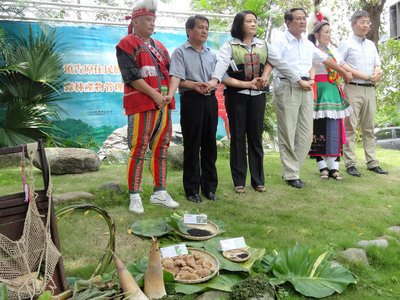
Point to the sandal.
(239, 189)
(335, 175)
(324, 174)
(259, 188)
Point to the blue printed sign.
(93, 81)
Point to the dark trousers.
(199, 119)
(246, 118)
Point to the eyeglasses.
(362, 23)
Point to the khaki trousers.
(294, 113)
(362, 100)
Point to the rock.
(355, 256)
(394, 229)
(211, 295)
(115, 147)
(112, 186)
(335, 264)
(381, 243)
(10, 160)
(70, 161)
(71, 196)
(175, 157)
(389, 238)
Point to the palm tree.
(30, 77)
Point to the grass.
(325, 215)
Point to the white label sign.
(195, 219)
(230, 244)
(174, 250)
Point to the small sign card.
(195, 219)
(174, 250)
(230, 244)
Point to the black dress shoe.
(378, 170)
(194, 198)
(211, 196)
(297, 183)
(353, 171)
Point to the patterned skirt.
(330, 108)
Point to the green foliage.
(150, 227)
(29, 82)
(269, 13)
(253, 287)
(388, 94)
(269, 125)
(309, 271)
(77, 134)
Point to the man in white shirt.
(294, 105)
(361, 54)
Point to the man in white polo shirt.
(293, 105)
(361, 54)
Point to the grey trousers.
(362, 100)
(294, 113)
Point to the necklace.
(333, 76)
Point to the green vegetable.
(253, 287)
(309, 272)
(3, 291)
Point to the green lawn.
(325, 215)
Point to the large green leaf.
(150, 227)
(310, 272)
(220, 282)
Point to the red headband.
(142, 12)
(137, 13)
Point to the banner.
(93, 85)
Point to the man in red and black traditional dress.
(144, 64)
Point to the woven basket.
(210, 226)
(210, 258)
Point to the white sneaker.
(136, 205)
(164, 199)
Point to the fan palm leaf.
(29, 85)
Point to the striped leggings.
(148, 130)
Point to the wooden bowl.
(210, 226)
(207, 257)
(237, 255)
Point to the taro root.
(188, 267)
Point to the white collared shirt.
(360, 54)
(300, 54)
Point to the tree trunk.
(375, 11)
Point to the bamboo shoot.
(129, 286)
(154, 278)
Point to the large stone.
(394, 229)
(175, 157)
(71, 196)
(355, 256)
(112, 186)
(380, 243)
(71, 161)
(115, 147)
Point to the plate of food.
(237, 255)
(195, 267)
(200, 232)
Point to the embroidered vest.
(135, 101)
(249, 64)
